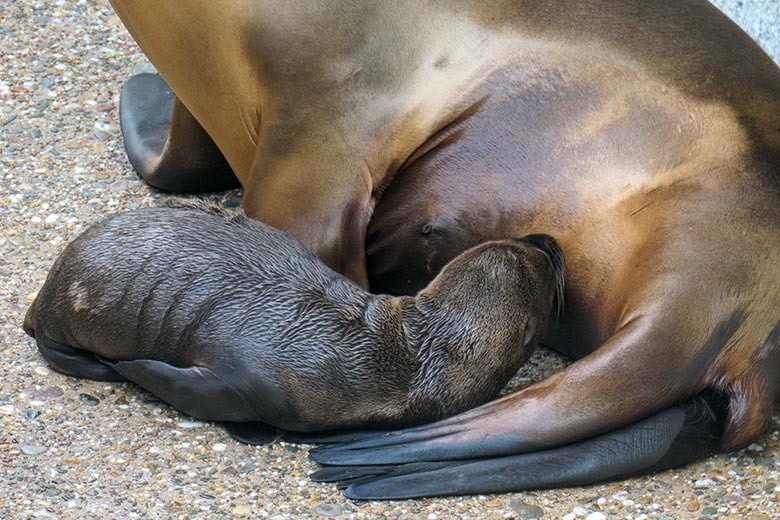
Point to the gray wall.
(759, 18)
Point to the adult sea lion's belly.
(558, 144)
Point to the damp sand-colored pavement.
(76, 449)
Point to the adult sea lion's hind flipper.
(74, 362)
(330, 437)
(165, 144)
(673, 437)
(346, 476)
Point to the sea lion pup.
(229, 319)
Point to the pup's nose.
(544, 243)
(549, 246)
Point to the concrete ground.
(80, 449)
(759, 18)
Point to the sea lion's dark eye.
(427, 229)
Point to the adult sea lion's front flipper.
(675, 436)
(166, 144)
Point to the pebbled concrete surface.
(74, 449)
(759, 18)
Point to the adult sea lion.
(231, 320)
(642, 134)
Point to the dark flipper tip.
(340, 473)
(145, 116)
(76, 363)
(670, 438)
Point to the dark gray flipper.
(76, 363)
(346, 476)
(166, 144)
(671, 438)
(330, 437)
(255, 433)
(196, 391)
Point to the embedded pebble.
(596, 516)
(41, 371)
(119, 186)
(526, 510)
(219, 447)
(102, 135)
(49, 392)
(33, 449)
(32, 414)
(242, 510)
(89, 400)
(189, 424)
(328, 510)
(143, 68)
(7, 409)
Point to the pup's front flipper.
(255, 433)
(196, 391)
